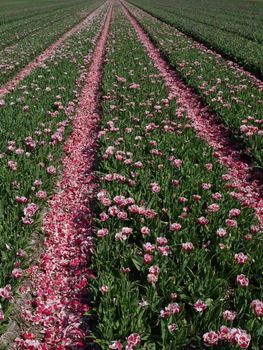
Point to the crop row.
(240, 42)
(15, 57)
(177, 261)
(35, 120)
(229, 92)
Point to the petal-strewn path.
(206, 126)
(59, 279)
(11, 84)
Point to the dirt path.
(60, 277)
(242, 175)
(11, 84)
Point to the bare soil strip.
(11, 84)
(207, 127)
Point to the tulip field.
(131, 177)
(233, 28)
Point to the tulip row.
(35, 120)
(32, 41)
(227, 90)
(241, 42)
(177, 258)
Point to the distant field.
(233, 28)
(28, 27)
(11, 11)
(226, 89)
